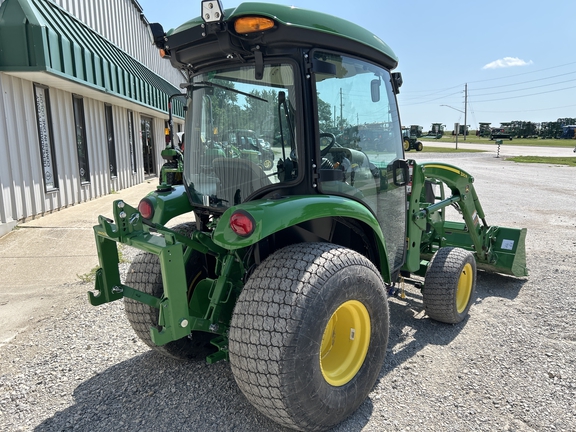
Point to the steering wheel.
(324, 151)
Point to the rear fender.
(272, 216)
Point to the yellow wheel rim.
(406, 145)
(345, 343)
(464, 288)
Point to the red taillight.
(146, 209)
(242, 223)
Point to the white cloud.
(507, 62)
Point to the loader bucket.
(509, 252)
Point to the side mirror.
(157, 35)
(400, 172)
(396, 81)
(375, 90)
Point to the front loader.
(284, 271)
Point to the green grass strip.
(570, 161)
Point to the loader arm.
(496, 249)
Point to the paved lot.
(41, 258)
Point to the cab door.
(355, 101)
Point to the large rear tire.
(406, 145)
(309, 333)
(145, 275)
(449, 285)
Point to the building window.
(110, 139)
(46, 138)
(81, 145)
(131, 140)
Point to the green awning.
(40, 36)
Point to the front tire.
(449, 285)
(145, 275)
(419, 146)
(268, 164)
(309, 333)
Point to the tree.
(324, 115)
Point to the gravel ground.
(510, 366)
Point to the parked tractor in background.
(484, 130)
(568, 132)
(500, 133)
(410, 138)
(286, 273)
(245, 144)
(436, 131)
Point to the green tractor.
(286, 274)
(410, 139)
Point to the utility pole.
(341, 118)
(335, 116)
(465, 109)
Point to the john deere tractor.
(285, 273)
(410, 138)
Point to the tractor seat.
(239, 178)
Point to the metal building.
(83, 105)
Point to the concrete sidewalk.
(40, 260)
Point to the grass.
(530, 142)
(570, 161)
(88, 277)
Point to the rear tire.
(144, 275)
(309, 333)
(449, 285)
(406, 145)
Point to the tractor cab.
(250, 70)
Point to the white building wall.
(123, 22)
(22, 191)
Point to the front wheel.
(449, 285)
(419, 146)
(268, 164)
(309, 333)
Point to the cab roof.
(301, 27)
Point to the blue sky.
(517, 58)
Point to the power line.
(526, 88)
(526, 82)
(433, 93)
(532, 94)
(432, 100)
(534, 110)
(495, 79)
(524, 73)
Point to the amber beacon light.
(253, 24)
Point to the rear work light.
(242, 223)
(146, 208)
(253, 24)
